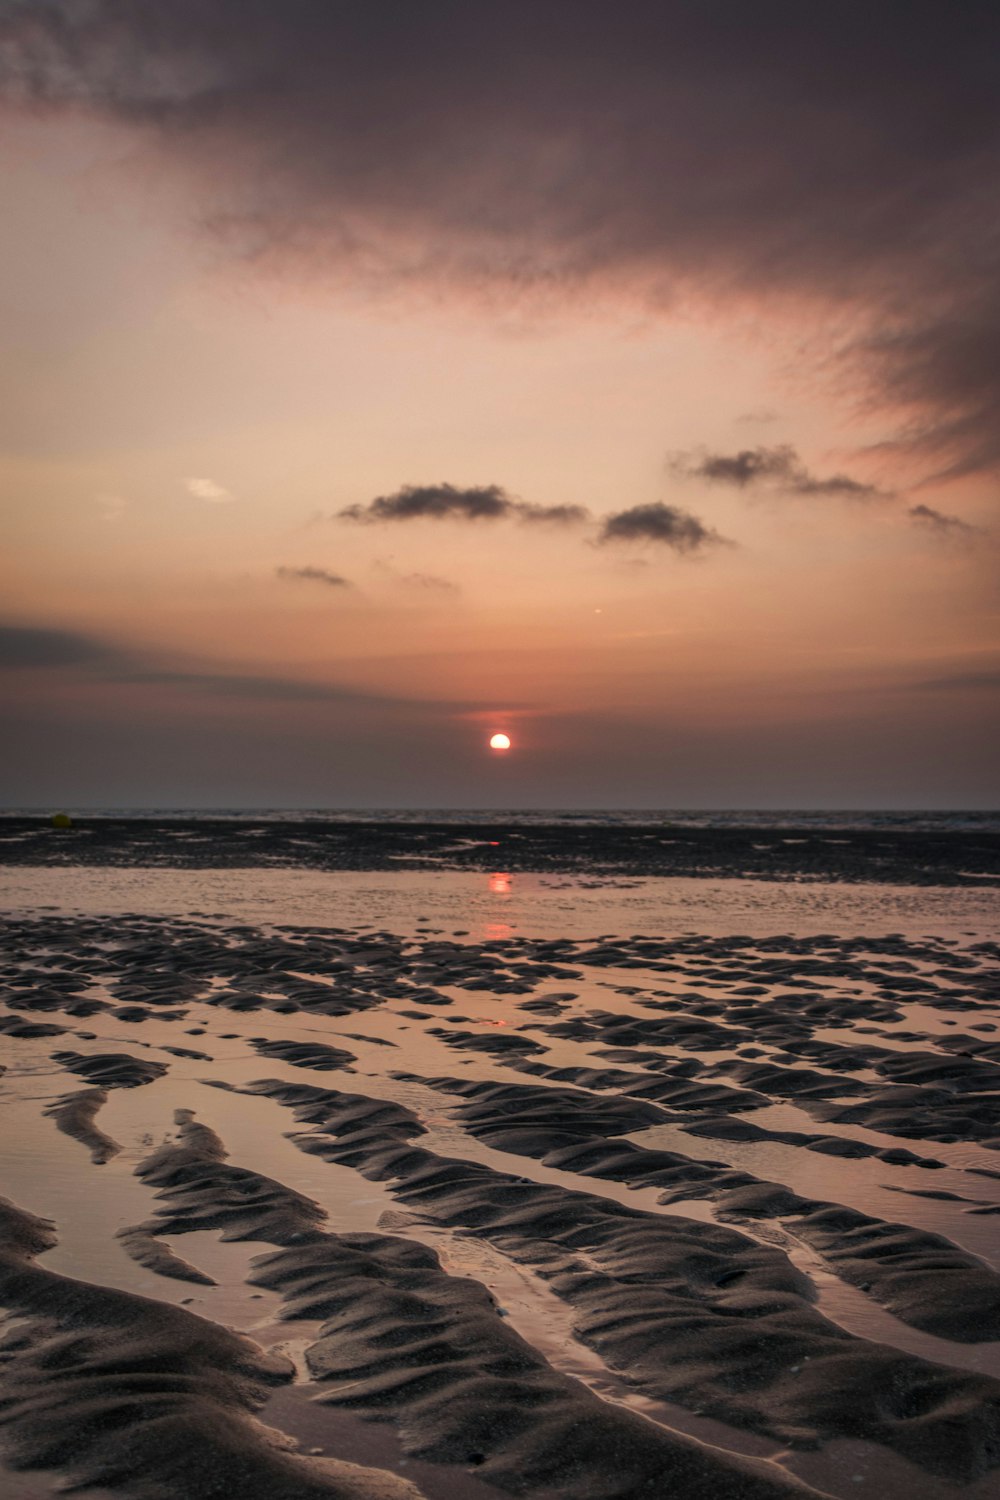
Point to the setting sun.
(500, 742)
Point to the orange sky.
(181, 427)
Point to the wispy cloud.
(416, 580)
(314, 575)
(207, 489)
(779, 470)
(949, 528)
(430, 582)
(986, 680)
(664, 524)
(440, 502)
(33, 646)
(249, 685)
(760, 415)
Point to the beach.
(496, 1158)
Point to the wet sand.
(475, 1201)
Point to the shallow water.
(497, 903)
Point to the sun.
(500, 742)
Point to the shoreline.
(965, 857)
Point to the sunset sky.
(380, 376)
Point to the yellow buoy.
(62, 820)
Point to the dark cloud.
(943, 366)
(99, 661)
(103, 663)
(438, 501)
(552, 515)
(314, 575)
(488, 502)
(837, 161)
(253, 687)
(36, 646)
(987, 680)
(659, 523)
(779, 469)
(249, 686)
(951, 527)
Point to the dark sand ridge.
(316, 1055)
(133, 1394)
(140, 1243)
(832, 1030)
(690, 1105)
(117, 1070)
(367, 1456)
(897, 855)
(151, 953)
(691, 1312)
(798, 1016)
(359, 967)
(27, 1030)
(693, 1112)
(284, 974)
(972, 1070)
(721, 1101)
(933, 1107)
(921, 1278)
(903, 1257)
(405, 1342)
(791, 1031)
(289, 993)
(921, 1113)
(200, 1190)
(674, 1086)
(973, 1046)
(690, 1113)
(75, 1115)
(729, 1101)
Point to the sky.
(622, 378)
